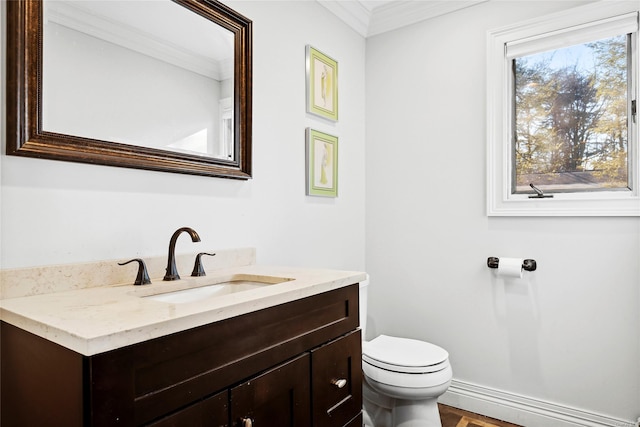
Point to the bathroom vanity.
(285, 354)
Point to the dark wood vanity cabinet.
(279, 397)
(211, 411)
(297, 364)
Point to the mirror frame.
(25, 136)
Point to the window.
(570, 119)
(562, 134)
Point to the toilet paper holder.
(527, 264)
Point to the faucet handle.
(143, 276)
(198, 270)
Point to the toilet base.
(413, 413)
(403, 414)
(384, 411)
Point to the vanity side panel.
(41, 382)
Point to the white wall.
(568, 333)
(60, 212)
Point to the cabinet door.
(336, 377)
(356, 422)
(279, 397)
(210, 412)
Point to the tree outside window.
(570, 114)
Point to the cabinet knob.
(247, 422)
(339, 383)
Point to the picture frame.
(322, 84)
(322, 164)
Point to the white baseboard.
(523, 410)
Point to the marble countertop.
(102, 318)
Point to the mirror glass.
(161, 85)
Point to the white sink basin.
(236, 284)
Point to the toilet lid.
(404, 354)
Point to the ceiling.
(371, 17)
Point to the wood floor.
(453, 417)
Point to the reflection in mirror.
(162, 85)
(159, 86)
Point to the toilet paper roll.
(510, 268)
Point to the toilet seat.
(383, 378)
(404, 355)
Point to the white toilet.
(403, 378)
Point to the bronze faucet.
(143, 275)
(172, 271)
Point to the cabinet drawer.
(336, 372)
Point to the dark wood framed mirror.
(50, 105)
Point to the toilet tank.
(364, 286)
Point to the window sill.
(614, 203)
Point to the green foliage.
(573, 118)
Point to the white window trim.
(500, 201)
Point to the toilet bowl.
(403, 378)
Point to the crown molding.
(369, 18)
(353, 13)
